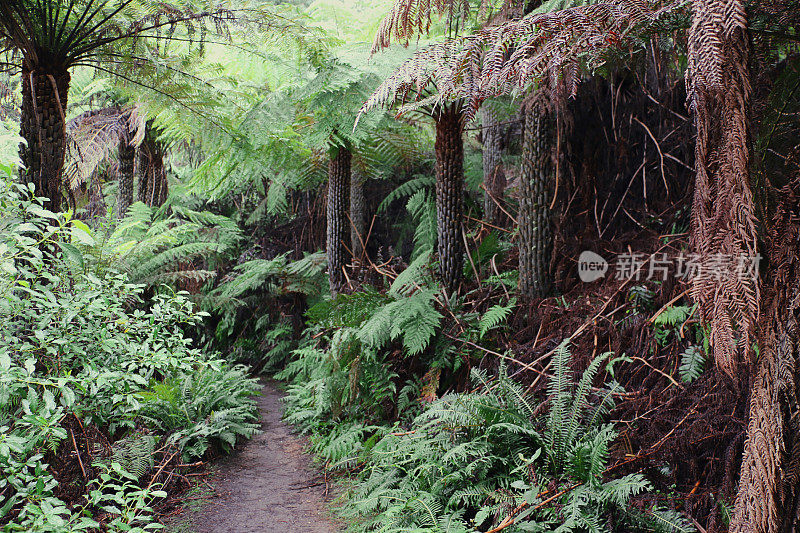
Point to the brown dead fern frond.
(409, 18)
(95, 135)
(768, 488)
(558, 44)
(723, 214)
(413, 18)
(518, 54)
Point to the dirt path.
(259, 487)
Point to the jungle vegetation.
(387, 206)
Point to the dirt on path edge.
(263, 486)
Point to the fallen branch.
(78, 453)
(161, 469)
(509, 520)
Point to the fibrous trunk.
(338, 204)
(96, 207)
(153, 187)
(493, 175)
(142, 174)
(357, 215)
(44, 104)
(158, 186)
(535, 232)
(449, 195)
(127, 158)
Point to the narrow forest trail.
(263, 486)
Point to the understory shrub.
(79, 344)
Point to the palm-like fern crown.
(429, 78)
(549, 44)
(56, 35)
(95, 135)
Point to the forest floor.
(266, 485)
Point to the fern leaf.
(693, 360)
(496, 315)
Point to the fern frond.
(693, 361)
(406, 190)
(494, 316)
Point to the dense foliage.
(198, 193)
(80, 354)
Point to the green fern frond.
(693, 361)
(674, 315)
(496, 315)
(407, 190)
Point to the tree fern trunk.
(338, 204)
(493, 176)
(142, 174)
(44, 104)
(357, 215)
(450, 195)
(127, 158)
(158, 177)
(96, 207)
(153, 188)
(535, 233)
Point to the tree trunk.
(357, 215)
(153, 188)
(338, 204)
(535, 232)
(493, 175)
(158, 177)
(127, 158)
(142, 174)
(450, 195)
(44, 104)
(96, 207)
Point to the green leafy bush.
(78, 340)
